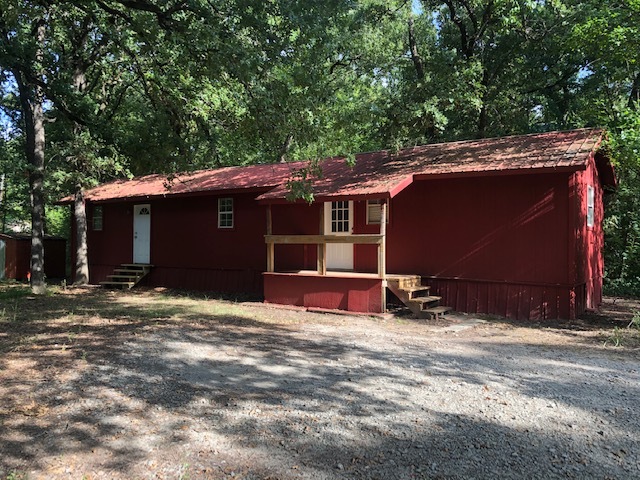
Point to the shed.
(15, 256)
(509, 226)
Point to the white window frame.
(225, 213)
(340, 217)
(97, 218)
(591, 205)
(372, 204)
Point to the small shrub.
(615, 339)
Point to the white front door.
(338, 220)
(141, 233)
(3, 264)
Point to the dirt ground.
(156, 384)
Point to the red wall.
(509, 229)
(18, 257)
(337, 293)
(296, 219)
(15, 267)
(589, 240)
(499, 245)
(188, 250)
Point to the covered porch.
(342, 289)
(323, 288)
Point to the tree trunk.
(415, 55)
(79, 84)
(483, 117)
(32, 100)
(82, 262)
(284, 149)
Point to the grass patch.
(12, 291)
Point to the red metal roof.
(385, 173)
(377, 174)
(217, 180)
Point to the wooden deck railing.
(322, 240)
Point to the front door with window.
(141, 233)
(338, 220)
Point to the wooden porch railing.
(322, 240)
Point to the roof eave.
(198, 193)
(503, 172)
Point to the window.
(591, 205)
(374, 212)
(340, 217)
(96, 218)
(225, 213)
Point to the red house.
(509, 226)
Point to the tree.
(22, 52)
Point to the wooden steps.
(128, 275)
(437, 312)
(410, 290)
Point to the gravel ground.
(317, 396)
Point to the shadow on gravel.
(175, 366)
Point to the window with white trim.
(96, 218)
(591, 205)
(340, 217)
(225, 213)
(374, 212)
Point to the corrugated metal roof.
(221, 179)
(376, 174)
(386, 173)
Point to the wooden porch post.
(270, 245)
(322, 247)
(382, 253)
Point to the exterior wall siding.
(315, 291)
(18, 257)
(188, 250)
(590, 240)
(515, 246)
(495, 245)
(517, 301)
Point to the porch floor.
(341, 274)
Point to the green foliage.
(17, 475)
(58, 221)
(615, 339)
(179, 86)
(14, 205)
(14, 291)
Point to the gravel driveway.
(320, 397)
